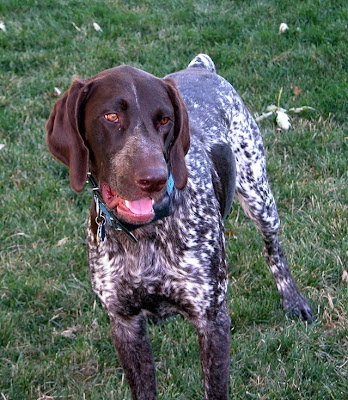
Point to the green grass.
(44, 283)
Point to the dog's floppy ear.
(181, 140)
(64, 138)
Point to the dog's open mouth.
(137, 211)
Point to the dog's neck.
(162, 209)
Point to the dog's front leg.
(214, 347)
(133, 348)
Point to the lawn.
(54, 334)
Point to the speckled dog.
(165, 157)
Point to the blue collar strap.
(162, 209)
(170, 184)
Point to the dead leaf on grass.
(345, 276)
(57, 92)
(283, 120)
(296, 92)
(283, 27)
(97, 27)
(70, 333)
(2, 26)
(61, 242)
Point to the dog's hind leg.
(254, 193)
(260, 206)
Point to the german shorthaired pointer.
(165, 157)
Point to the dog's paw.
(298, 307)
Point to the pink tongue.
(140, 207)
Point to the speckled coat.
(178, 264)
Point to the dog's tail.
(203, 61)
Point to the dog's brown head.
(121, 123)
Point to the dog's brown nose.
(151, 180)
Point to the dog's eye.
(112, 117)
(164, 120)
